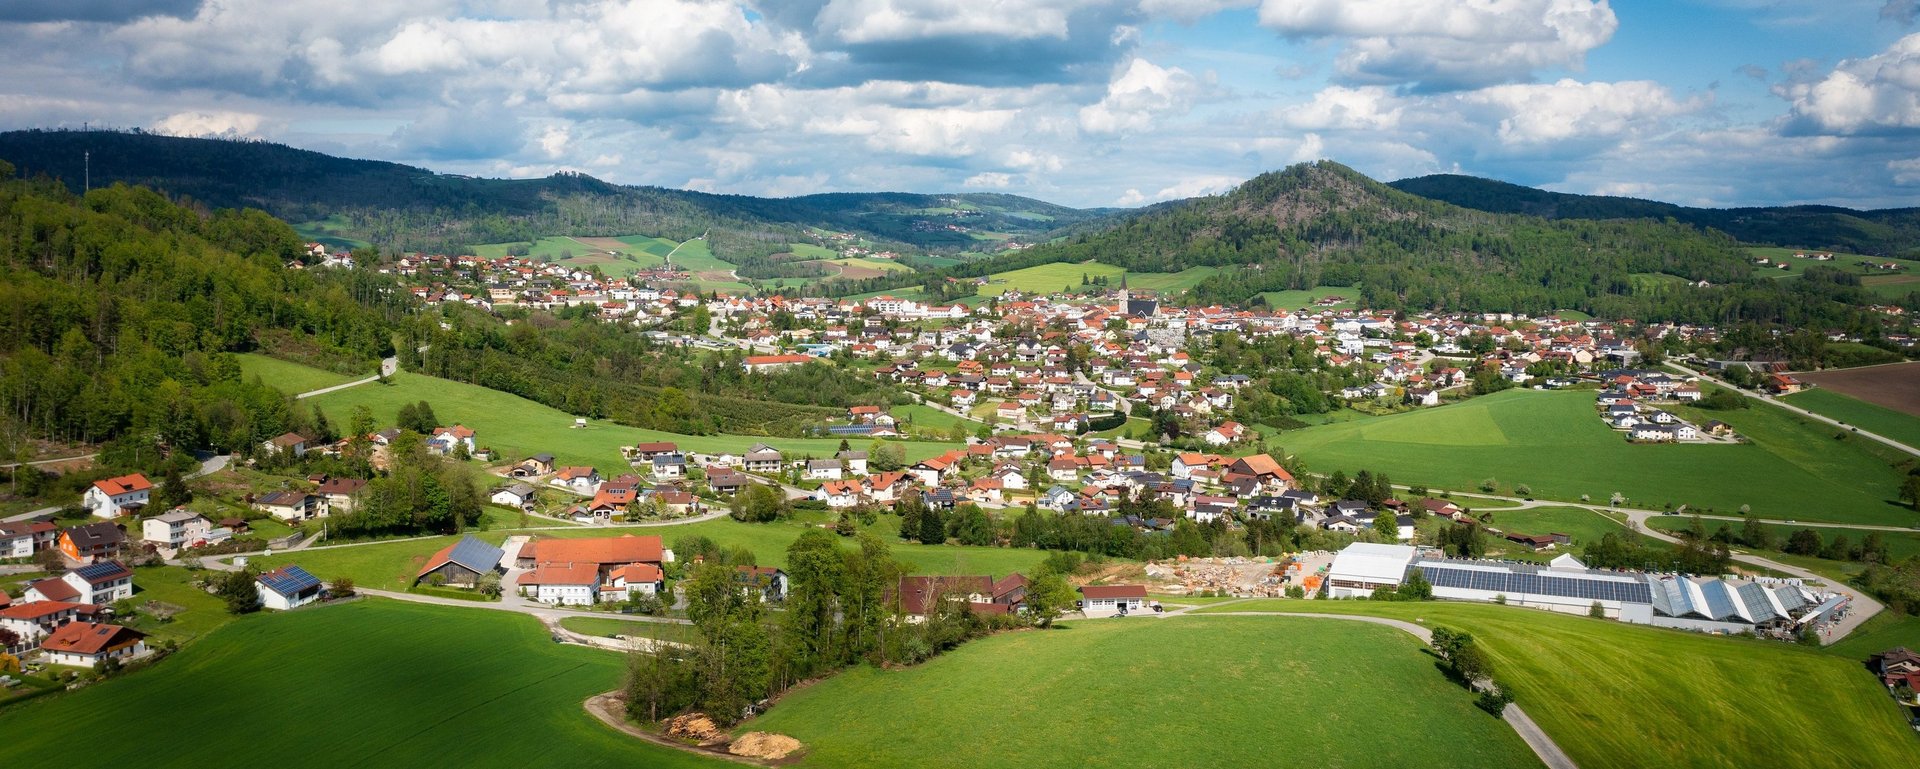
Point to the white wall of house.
(89, 660)
(563, 595)
(1108, 607)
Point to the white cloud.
(220, 123)
(1374, 108)
(1189, 187)
(1441, 44)
(1905, 171)
(1139, 95)
(1877, 93)
(992, 179)
(870, 21)
(1568, 109)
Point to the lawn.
(517, 427)
(290, 377)
(1170, 283)
(810, 251)
(201, 613)
(1616, 695)
(695, 256)
(1582, 525)
(927, 416)
(1873, 418)
(393, 565)
(1300, 299)
(373, 683)
(1883, 632)
(1553, 443)
(1142, 693)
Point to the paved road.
(56, 460)
(387, 368)
(1770, 400)
(1522, 724)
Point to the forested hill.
(1323, 224)
(1884, 232)
(408, 208)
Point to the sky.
(1080, 102)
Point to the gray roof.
(477, 555)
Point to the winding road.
(1773, 401)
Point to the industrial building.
(1711, 604)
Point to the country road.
(388, 366)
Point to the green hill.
(1885, 232)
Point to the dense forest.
(1885, 232)
(403, 208)
(122, 310)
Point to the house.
(823, 469)
(291, 506)
(1896, 666)
(446, 439)
(856, 461)
(765, 583)
(582, 571)
(1263, 469)
(1441, 507)
(1226, 433)
(93, 540)
(33, 621)
(288, 587)
(763, 460)
(1112, 600)
(533, 466)
(762, 363)
(99, 583)
(916, 596)
(285, 443)
(564, 584)
(1185, 464)
(645, 452)
(86, 644)
(339, 495)
(840, 494)
(863, 415)
(579, 480)
(23, 539)
(633, 579)
(668, 466)
(726, 481)
(1783, 384)
(518, 496)
(462, 563)
(1058, 499)
(114, 497)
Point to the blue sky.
(1083, 102)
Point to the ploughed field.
(1895, 386)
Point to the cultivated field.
(1615, 695)
(1217, 692)
(291, 377)
(1553, 443)
(518, 427)
(373, 683)
(1895, 387)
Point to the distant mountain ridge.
(417, 209)
(1882, 232)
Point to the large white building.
(1363, 566)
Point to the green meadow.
(1553, 443)
(1300, 299)
(1216, 692)
(1617, 695)
(291, 377)
(371, 683)
(1871, 417)
(1065, 276)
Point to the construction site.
(1239, 577)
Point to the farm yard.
(1551, 443)
(1617, 695)
(1895, 386)
(411, 684)
(1294, 692)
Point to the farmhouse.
(114, 497)
(288, 587)
(85, 644)
(1112, 600)
(583, 571)
(462, 563)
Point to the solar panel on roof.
(289, 580)
(476, 555)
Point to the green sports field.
(291, 377)
(1217, 692)
(517, 427)
(1871, 417)
(372, 683)
(1553, 443)
(1616, 695)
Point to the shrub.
(1494, 699)
(342, 587)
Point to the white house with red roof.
(114, 497)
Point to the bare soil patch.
(1895, 386)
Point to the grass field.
(1616, 695)
(1048, 278)
(290, 377)
(518, 427)
(1654, 281)
(331, 232)
(1170, 283)
(1895, 387)
(372, 683)
(1553, 443)
(393, 565)
(1582, 525)
(608, 626)
(1118, 693)
(1299, 299)
(1880, 420)
(1900, 544)
(928, 416)
(201, 613)
(1883, 632)
(1886, 284)
(810, 251)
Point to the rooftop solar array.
(99, 570)
(289, 580)
(477, 555)
(1599, 587)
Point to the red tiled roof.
(90, 638)
(603, 550)
(54, 588)
(38, 609)
(125, 484)
(1114, 591)
(635, 573)
(563, 574)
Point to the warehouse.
(1361, 567)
